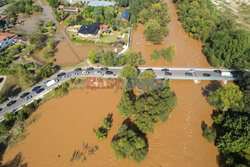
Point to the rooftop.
(99, 3)
(4, 35)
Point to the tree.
(169, 53)
(155, 56)
(129, 72)
(45, 53)
(143, 16)
(133, 58)
(101, 134)
(123, 3)
(98, 14)
(129, 144)
(226, 98)
(53, 3)
(93, 57)
(109, 14)
(126, 106)
(51, 44)
(209, 134)
(154, 32)
(106, 124)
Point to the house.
(60, 6)
(89, 30)
(98, 3)
(107, 32)
(125, 16)
(6, 39)
(3, 17)
(104, 27)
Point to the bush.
(101, 134)
(155, 56)
(49, 23)
(106, 124)
(209, 134)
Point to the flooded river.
(65, 123)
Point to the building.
(89, 30)
(73, 10)
(104, 27)
(6, 39)
(125, 16)
(99, 3)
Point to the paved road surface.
(174, 73)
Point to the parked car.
(65, 76)
(149, 69)
(90, 68)
(24, 94)
(1, 109)
(78, 69)
(36, 88)
(27, 98)
(104, 69)
(11, 103)
(61, 74)
(164, 69)
(109, 72)
(40, 90)
(85, 72)
(74, 74)
(217, 71)
(1, 80)
(188, 74)
(168, 73)
(206, 75)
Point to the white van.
(52, 82)
(226, 74)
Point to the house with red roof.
(6, 39)
(104, 26)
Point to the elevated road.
(195, 74)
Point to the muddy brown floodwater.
(64, 123)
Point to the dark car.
(188, 74)
(1, 80)
(164, 69)
(40, 90)
(104, 69)
(217, 71)
(78, 69)
(149, 69)
(61, 74)
(25, 94)
(36, 88)
(11, 102)
(206, 75)
(90, 68)
(109, 72)
(168, 73)
(237, 73)
(1, 109)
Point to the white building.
(6, 39)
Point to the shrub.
(209, 134)
(101, 134)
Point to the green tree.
(226, 98)
(129, 72)
(155, 56)
(53, 3)
(169, 53)
(106, 124)
(98, 14)
(209, 134)
(93, 57)
(101, 134)
(143, 16)
(109, 14)
(126, 106)
(129, 144)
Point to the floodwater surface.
(188, 50)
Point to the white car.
(85, 73)
(97, 72)
(74, 74)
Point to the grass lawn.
(82, 64)
(11, 84)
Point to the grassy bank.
(82, 64)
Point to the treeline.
(110, 58)
(154, 104)
(152, 13)
(230, 130)
(224, 45)
(22, 6)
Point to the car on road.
(104, 69)
(168, 73)
(149, 69)
(74, 74)
(65, 76)
(164, 69)
(78, 69)
(1, 109)
(40, 90)
(24, 94)
(36, 88)
(109, 72)
(85, 72)
(217, 71)
(206, 75)
(188, 74)
(191, 70)
(11, 103)
(97, 72)
(90, 68)
(45, 82)
(1, 80)
(27, 98)
(61, 74)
